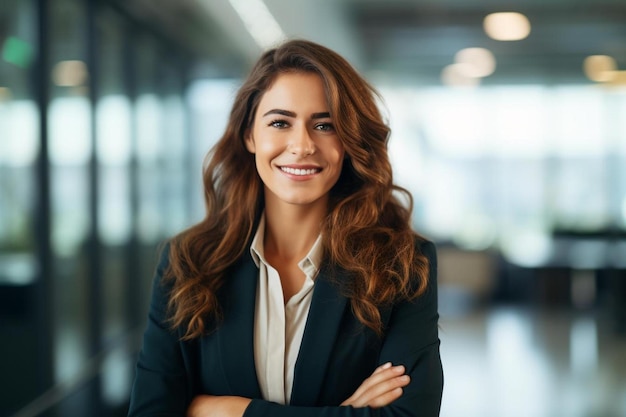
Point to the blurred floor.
(514, 361)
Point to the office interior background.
(511, 135)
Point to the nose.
(301, 142)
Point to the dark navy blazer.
(336, 355)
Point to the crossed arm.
(162, 385)
(381, 388)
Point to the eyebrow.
(322, 115)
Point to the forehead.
(295, 89)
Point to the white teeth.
(298, 171)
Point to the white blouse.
(278, 327)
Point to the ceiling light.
(259, 22)
(454, 75)
(600, 68)
(479, 62)
(69, 73)
(618, 78)
(508, 26)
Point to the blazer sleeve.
(411, 340)
(161, 386)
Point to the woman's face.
(297, 151)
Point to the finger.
(385, 386)
(386, 398)
(380, 400)
(381, 392)
(383, 373)
(382, 367)
(379, 376)
(376, 378)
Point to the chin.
(301, 200)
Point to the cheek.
(339, 155)
(337, 162)
(268, 146)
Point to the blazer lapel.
(236, 333)
(320, 332)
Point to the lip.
(300, 166)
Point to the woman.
(304, 291)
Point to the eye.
(325, 127)
(279, 124)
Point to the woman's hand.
(217, 406)
(382, 388)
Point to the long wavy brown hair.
(367, 231)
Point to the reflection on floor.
(510, 362)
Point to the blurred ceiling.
(412, 40)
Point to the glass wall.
(19, 148)
(85, 201)
(503, 166)
(114, 148)
(19, 145)
(70, 144)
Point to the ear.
(249, 141)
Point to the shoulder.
(425, 280)
(163, 250)
(161, 283)
(427, 249)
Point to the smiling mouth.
(298, 171)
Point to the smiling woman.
(304, 291)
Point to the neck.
(291, 230)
